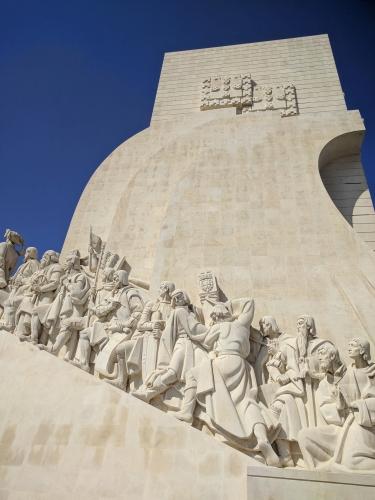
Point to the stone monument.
(141, 371)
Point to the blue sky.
(79, 77)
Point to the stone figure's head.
(220, 313)
(49, 257)
(31, 253)
(180, 298)
(73, 260)
(121, 279)
(13, 237)
(359, 348)
(329, 358)
(269, 327)
(306, 331)
(306, 326)
(166, 289)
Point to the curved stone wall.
(243, 197)
(346, 184)
(241, 194)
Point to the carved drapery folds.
(287, 400)
(241, 92)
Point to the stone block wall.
(307, 62)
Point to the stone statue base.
(292, 484)
(65, 434)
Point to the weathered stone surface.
(245, 197)
(252, 192)
(65, 434)
(285, 484)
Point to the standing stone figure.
(69, 307)
(9, 255)
(116, 310)
(259, 341)
(224, 385)
(139, 354)
(152, 324)
(33, 309)
(330, 404)
(178, 350)
(294, 366)
(19, 284)
(347, 405)
(95, 249)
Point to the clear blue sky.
(79, 77)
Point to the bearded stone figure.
(260, 341)
(282, 400)
(347, 407)
(294, 367)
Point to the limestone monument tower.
(208, 328)
(251, 168)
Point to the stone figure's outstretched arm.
(247, 314)
(210, 338)
(194, 329)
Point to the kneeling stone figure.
(116, 310)
(347, 405)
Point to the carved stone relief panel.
(241, 92)
(201, 362)
(207, 282)
(224, 92)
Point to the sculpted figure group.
(285, 400)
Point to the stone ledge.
(270, 483)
